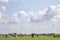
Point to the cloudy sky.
(30, 16)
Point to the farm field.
(30, 38)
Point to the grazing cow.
(54, 36)
(37, 35)
(13, 34)
(6, 36)
(32, 35)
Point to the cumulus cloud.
(3, 8)
(51, 13)
(56, 11)
(29, 20)
(3, 15)
(17, 16)
(6, 1)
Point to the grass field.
(30, 38)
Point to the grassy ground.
(30, 38)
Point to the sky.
(29, 16)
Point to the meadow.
(30, 38)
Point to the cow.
(32, 35)
(6, 35)
(54, 36)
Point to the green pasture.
(30, 38)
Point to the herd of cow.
(21, 35)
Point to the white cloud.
(3, 8)
(49, 14)
(3, 16)
(42, 18)
(56, 11)
(14, 18)
(6, 1)
(23, 13)
(26, 20)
